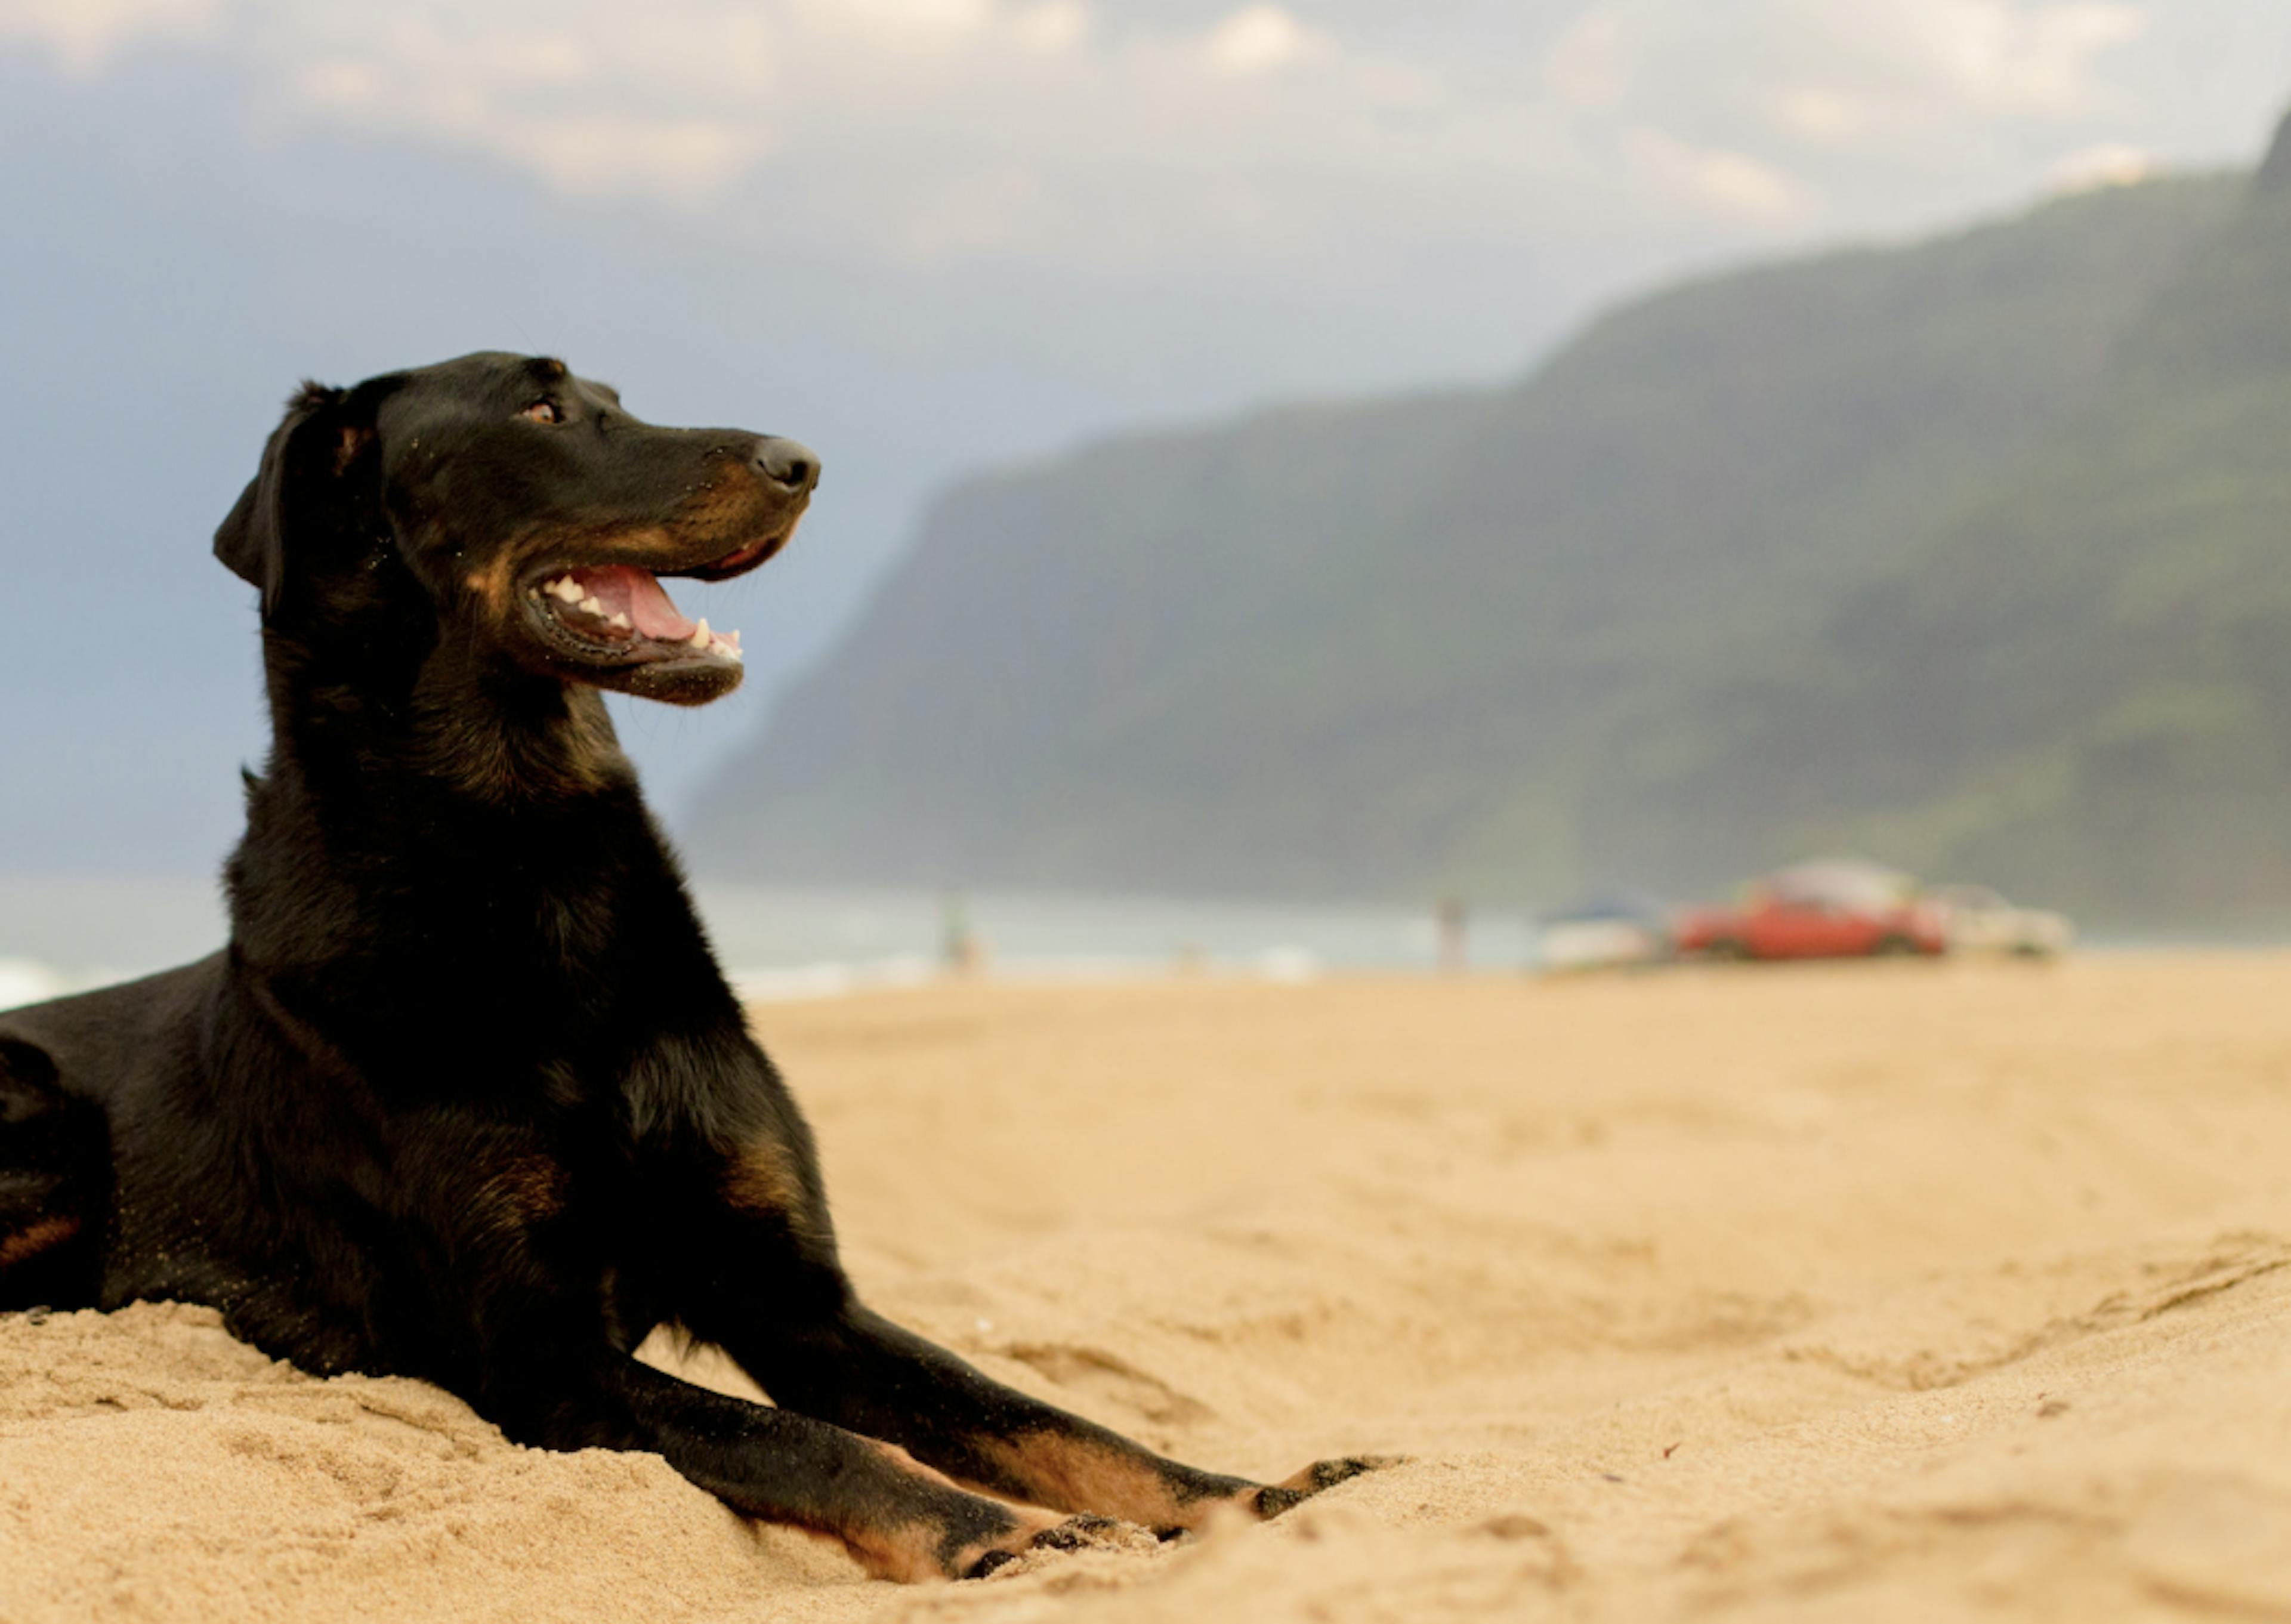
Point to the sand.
(1872, 1292)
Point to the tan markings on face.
(1079, 1474)
(724, 514)
(35, 1239)
(730, 491)
(490, 582)
(617, 544)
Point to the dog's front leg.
(898, 1518)
(762, 1279)
(751, 1263)
(860, 1370)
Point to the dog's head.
(500, 506)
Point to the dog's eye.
(544, 412)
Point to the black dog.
(466, 1098)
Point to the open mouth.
(618, 611)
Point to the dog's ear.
(252, 541)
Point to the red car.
(1818, 911)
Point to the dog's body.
(467, 1098)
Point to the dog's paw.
(1082, 1533)
(1086, 1533)
(1272, 1500)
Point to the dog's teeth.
(590, 606)
(567, 589)
(730, 651)
(699, 635)
(621, 621)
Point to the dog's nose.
(788, 462)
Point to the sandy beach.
(1885, 1293)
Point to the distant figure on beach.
(961, 951)
(1454, 927)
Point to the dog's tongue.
(623, 589)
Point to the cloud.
(924, 129)
(1779, 113)
(2095, 168)
(1724, 182)
(1053, 26)
(1980, 55)
(1590, 63)
(904, 25)
(674, 100)
(1821, 114)
(1125, 137)
(85, 34)
(695, 157)
(1258, 39)
(1842, 71)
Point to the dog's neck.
(419, 860)
(427, 783)
(397, 708)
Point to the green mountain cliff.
(1970, 554)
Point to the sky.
(924, 236)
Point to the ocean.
(63, 933)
